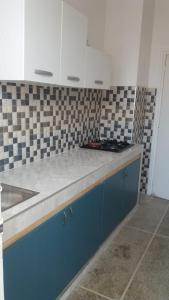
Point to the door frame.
(158, 107)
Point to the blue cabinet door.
(33, 266)
(40, 265)
(112, 203)
(131, 183)
(83, 231)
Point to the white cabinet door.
(42, 40)
(73, 49)
(98, 69)
(12, 40)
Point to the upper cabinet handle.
(73, 78)
(99, 82)
(43, 73)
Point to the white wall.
(160, 42)
(122, 38)
(95, 10)
(146, 42)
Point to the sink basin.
(12, 195)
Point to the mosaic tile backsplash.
(38, 122)
(127, 113)
(139, 116)
(150, 103)
(117, 113)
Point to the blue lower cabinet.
(112, 213)
(119, 197)
(33, 266)
(131, 182)
(40, 265)
(83, 231)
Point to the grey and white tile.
(81, 294)
(117, 113)
(150, 103)
(139, 116)
(164, 228)
(149, 214)
(41, 121)
(113, 269)
(152, 279)
(127, 113)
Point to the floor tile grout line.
(141, 259)
(96, 293)
(105, 245)
(145, 252)
(139, 229)
(162, 236)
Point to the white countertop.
(60, 177)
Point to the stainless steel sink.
(12, 195)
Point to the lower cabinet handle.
(64, 218)
(73, 78)
(71, 210)
(100, 82)
(125, 174)
(43, 73)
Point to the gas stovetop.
(107, 145)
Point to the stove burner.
(108, 145)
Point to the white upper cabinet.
(30, 33)
(12, 40)
(45, 41)
(73, 47)
(98, 69)
(42, 40)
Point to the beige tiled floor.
(135, 265)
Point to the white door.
(42, 40)
(161, 175)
